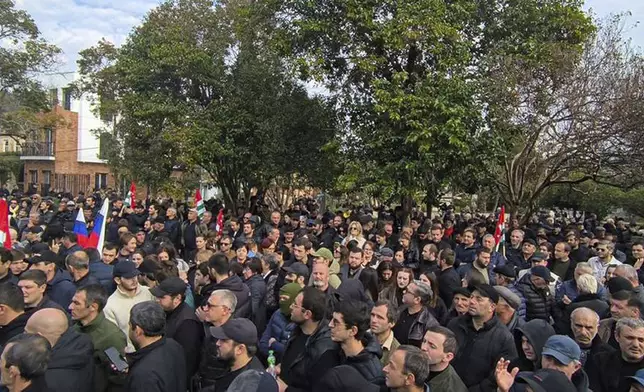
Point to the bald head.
(49, 323)
(584, 313)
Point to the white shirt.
(599, 268)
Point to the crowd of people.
(310, 300)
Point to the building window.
(100, 180)
(46, 176)
(33, 176)
(53, 97)
(6, 146)
(67, 99)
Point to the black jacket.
(14, 328)
(448, 280)
(71, 365)
(159, 367)
(590, 301)
(241, 291)
(479, 351)
(539, 302)
(257, 288)
(320, 355)
(222, 383)
(608, 371)
(537, 332)
(367, 362)
(183, 326)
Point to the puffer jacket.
(539, 303)
(479, 351)
(280, 328)
(367, 362)
(537, 332)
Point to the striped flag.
(80, 229)
(499, 233)
(130, 199)
(5, 237)
(97, 236)
(201, 208)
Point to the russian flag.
(80, 229)
(97, 236)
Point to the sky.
(74, 25)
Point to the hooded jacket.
(367, 362)
(71, 365)
(352, 289)
(479, 351)
(61, 289)
(241, 291)
(537, 332)
(103, 273)
(14, 328)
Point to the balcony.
(43, 151)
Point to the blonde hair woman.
(355, 234)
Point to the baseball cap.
(46, 256)
(125, 269)
(239, 330)
(546, 380)
(542, 272)
(487, 291)
(638, 377)
(562, 348)
(538, 256)
(464, 291)
(170, 286)
(505, 270)
(298, 269)
(71, 204)
(324, 253)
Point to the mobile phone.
(116, 359)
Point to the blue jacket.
(280, 328)
(61, 289)
(103, 273)
(465, 255)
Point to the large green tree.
(409, 77)
(23, 54)
(201, 86)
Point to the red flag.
(5, 237)
(220, 222)
(500, 228)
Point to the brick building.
(66, 158)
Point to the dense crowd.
(310, 300)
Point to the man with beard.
(466, 250)
(354, 267)
(310, 352)
(236, 345)
(440, 346)
(478, 271)
(158, 364)
(436, 237)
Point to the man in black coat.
(13, 317)
(71, 366)
(182, 324)
(448, 278)
(482, 341)
(158, 364)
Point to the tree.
(569, 122)
(23, 54)
(199, 85)
(408, 76)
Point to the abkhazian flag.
(201, 208)
(130, 199)
(499, 233)
(5, 237)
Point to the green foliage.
(201, 87)
(23, 53)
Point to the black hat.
(170, 286)
(546, 380)
(618, 283)
(530, 241)
(46, 256)
(298, 269)
(505, 270)
(538, 256)
(36, 229)
(149, 267)
(38, 248)
(487, 291)
(542, 272)
(462, 291)
(159, 219)
(239, 330)
(125, 269)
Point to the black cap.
(618, 283)
(542, 272)
(239, 330)
(487, 291)
(298, 269)
(125, 269)
(170, 286)
(36, 229)
(46, 256)
(505, 270)
(462, 291)
(538, 256)
(530, 241)
(546, 380)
